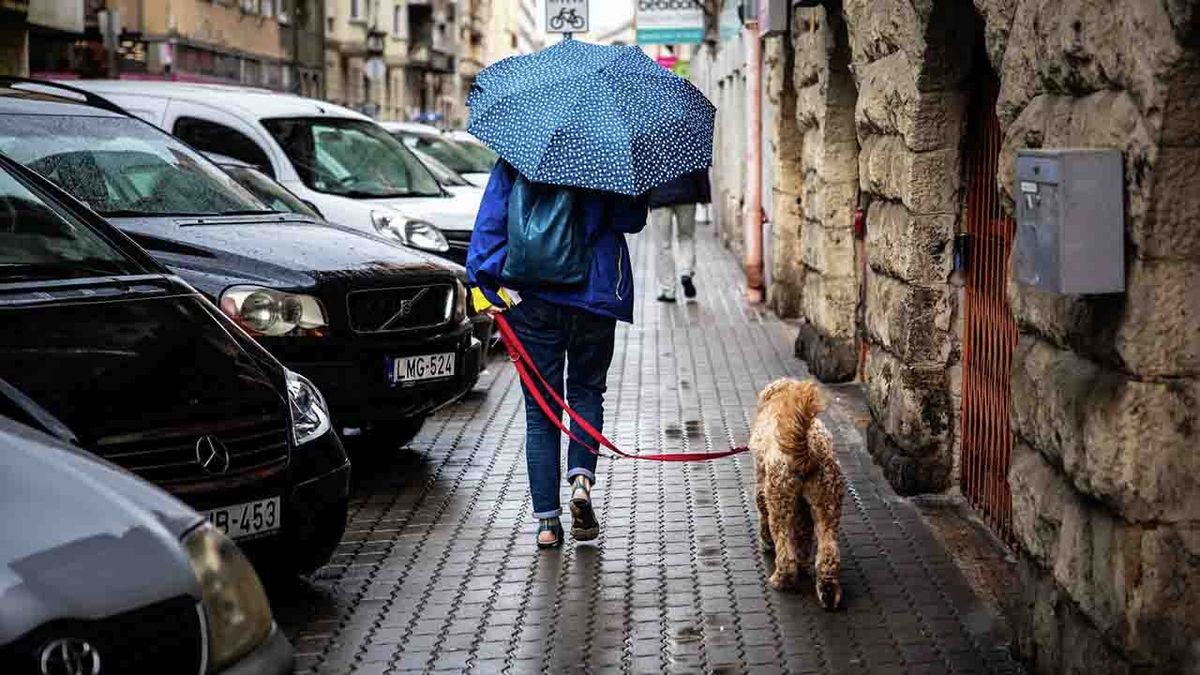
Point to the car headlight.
(310, 415)
(418, 234)
(265, 311)
(462, 307)
(236, 611)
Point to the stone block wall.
(782, 178)
(1106, 389)
(824, 262)
(910, 61)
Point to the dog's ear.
(774, 389)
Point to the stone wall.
(910, 61)
(1106, 389)
(825, 260)
(783, 180)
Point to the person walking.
(567, 328)
(582, 138)
(673, 219)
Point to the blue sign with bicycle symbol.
(566, 16)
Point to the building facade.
(529, 36)
(262, 43)
(393, 59)
(888, 141)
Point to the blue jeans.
(562, 338)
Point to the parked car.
(101, 572)
(474, 147)
(339, 160)
(445, 149)
(454, 182)
(383, 330)
(467, 198)
(131, 363)
(280, 198)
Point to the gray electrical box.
(1070, 221)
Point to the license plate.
(416, 368)
(246, 520)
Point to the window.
(398, 20)
(38, 243)
(266, 7)
(352, 158)
(355, 10)
(208, 136)
(121, 166)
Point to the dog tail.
(806, 403)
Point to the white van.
(343, 163)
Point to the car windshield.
(445, 151)
(268, 191)
(37, 242)
(352, 158)
(122, 166)
(484, 156)
(444, 174)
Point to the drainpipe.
(753, 213)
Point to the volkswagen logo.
(212, 455)
(69, 656)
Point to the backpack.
(546, 237)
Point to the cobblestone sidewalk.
(438, 570)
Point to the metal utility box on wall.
(1070, 221)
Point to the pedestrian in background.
(673, 219)
(554, 259)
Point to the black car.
(279, 198)
(102, 347)
(381, 329)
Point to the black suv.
(102, 347)
(382, 329)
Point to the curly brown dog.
(798, 486)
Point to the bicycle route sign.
(567, 16)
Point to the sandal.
(584, 526)
(553, 526)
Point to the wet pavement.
(438, 569)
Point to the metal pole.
(753, 215)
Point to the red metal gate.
(990, 332)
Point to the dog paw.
(781, 581)
(829, 595)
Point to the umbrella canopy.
(592, 116)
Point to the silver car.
(101, 573)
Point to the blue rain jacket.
(608, 217)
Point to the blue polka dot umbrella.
(592, 116)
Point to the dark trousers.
(562, 340)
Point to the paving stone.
(437, 570)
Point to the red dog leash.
(528, 371)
